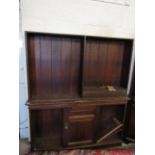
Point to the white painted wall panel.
(83, 17)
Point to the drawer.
(82, 110)
(81, 118)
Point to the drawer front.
(79, 125)
(81, 110)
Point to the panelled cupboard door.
(46, 128)
(78, 126)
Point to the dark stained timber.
(77, 90)
(54, 66)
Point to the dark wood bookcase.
(77, 90)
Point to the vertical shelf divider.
(82, 65)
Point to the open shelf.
(106, 65)
(70, 67)
(54, 66)
(104, 91)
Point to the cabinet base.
(106, 144)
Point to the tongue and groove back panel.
(102, 66)
(54, 66)
(105, 61)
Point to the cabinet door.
(46, 128)
(78, 126)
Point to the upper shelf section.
(106, 67)
(61, 66)
(54, 66)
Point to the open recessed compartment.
(66, 66)
(54, 66)
(106, 67)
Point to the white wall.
(23, 113)
(23, 109)
(83, 17)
